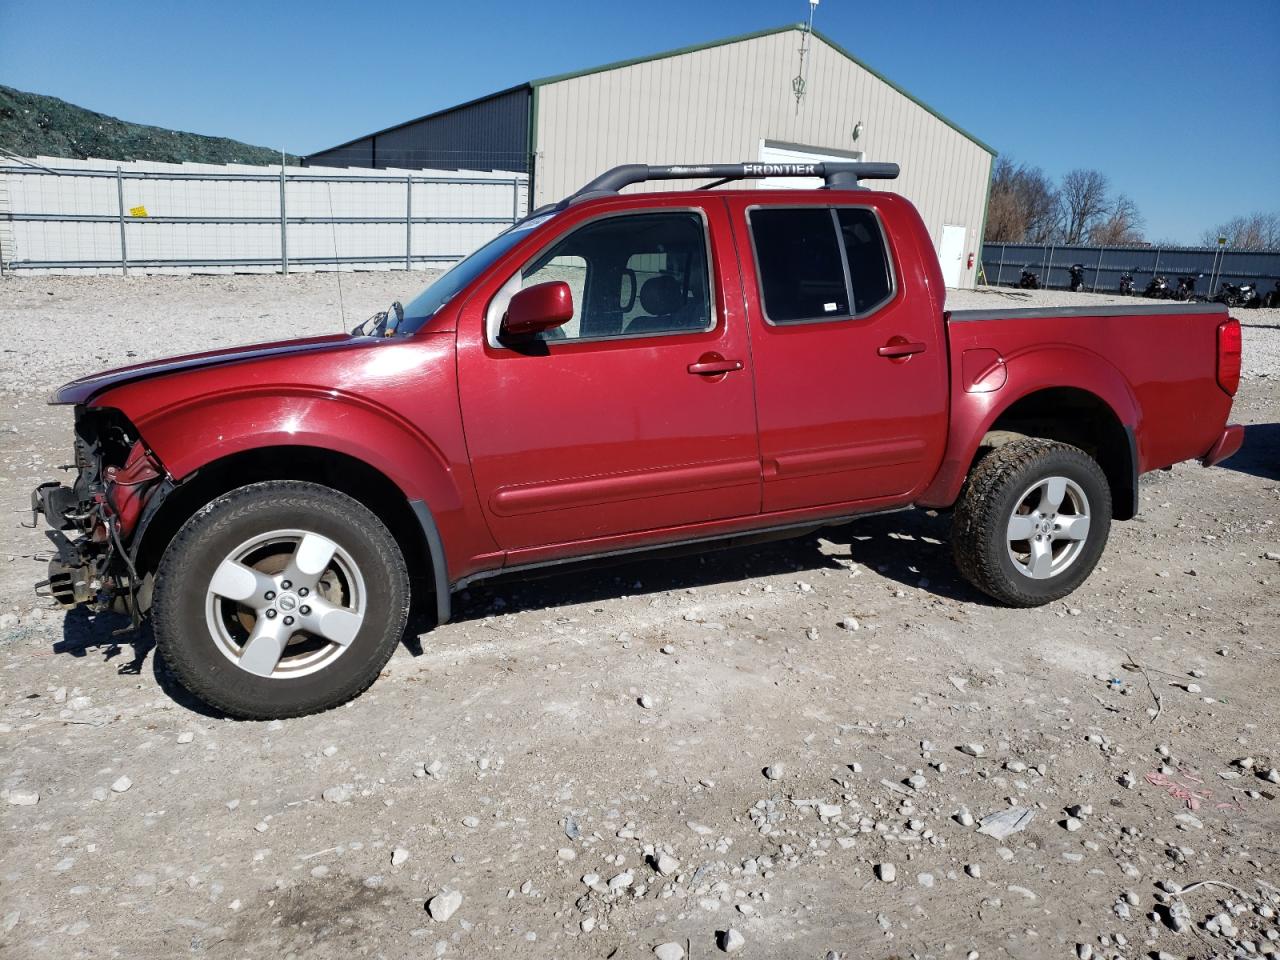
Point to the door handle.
(901, 347)
(709, 367)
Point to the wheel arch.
(409, 521)
(1083, 419)
(1097, 416)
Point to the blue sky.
(1179, 103)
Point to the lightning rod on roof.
(798, 84)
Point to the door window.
(630, 275)
(819, 263)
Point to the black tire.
(996, 486)
(186, 632)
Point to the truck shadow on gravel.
(111, 636)
(1260, 455)
(912, 548)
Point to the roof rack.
(837, 174)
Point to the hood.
(86, 388)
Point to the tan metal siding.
(717, 104)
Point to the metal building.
(751, 97)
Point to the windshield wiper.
(381, 324)
(358, 329)
(393, 318)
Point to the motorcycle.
(1126, 284)
(1187, 287)
(1158, 288)
(1077, 277)
(1238, 295)
(1029, 281)
(1272, 299)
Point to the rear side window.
(819, 263)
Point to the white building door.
(771, 152)
(951, 255)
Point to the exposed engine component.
(91, 520)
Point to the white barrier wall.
(64, 216)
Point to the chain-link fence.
(66, 216)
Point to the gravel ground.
(783, 744)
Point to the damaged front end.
(94, 521)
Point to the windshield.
(424, 306)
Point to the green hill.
(32, 124)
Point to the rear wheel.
(1031, 522)
(280, 599)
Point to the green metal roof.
(544, 81)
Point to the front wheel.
(280, 599)
(1031, 522)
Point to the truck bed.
(1154, 365)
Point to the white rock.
(621, 881)
(775, 771)
(1005, 822)
(567, 854)
(850, 623)
(829, 811)
(1272, 776)
(646, 701)
(122, 784)
(973, 749)
(667, 864)
(1084, 951)
(186, 736)
(588, 924)
(101, 793)
(974, 870)
(444, 905)
(731, 941)
(887, 872)
(398, 856)
(339, 794)
(963, 817)
(24, 798)
(925, 879)
(669, 951)
(330, 750)
(1072, 824)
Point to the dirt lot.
(138, 825)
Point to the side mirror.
(544, 306)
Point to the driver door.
(611, 426)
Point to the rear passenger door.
(850, 373)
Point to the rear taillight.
(1229, 356)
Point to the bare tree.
(1257, 231)
(1122, 224)
(1023, 205)
(1084, 203)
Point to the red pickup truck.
(613, 374)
